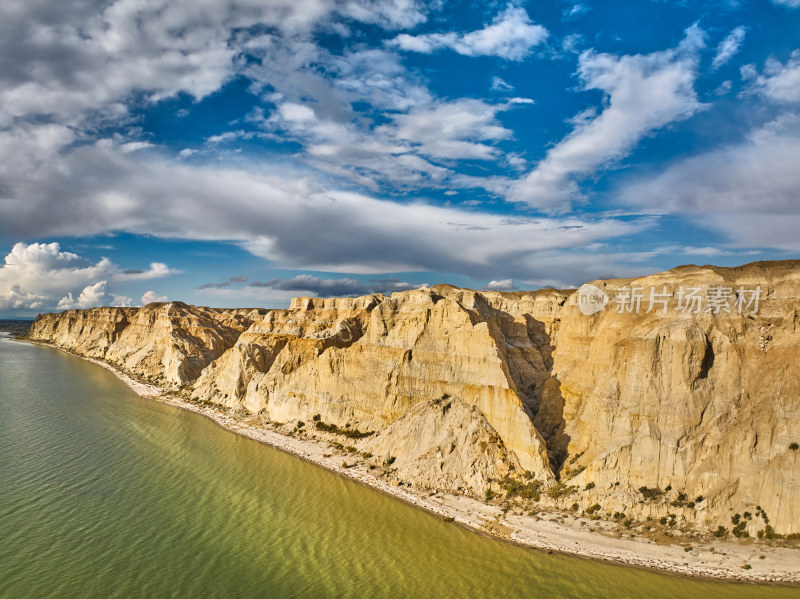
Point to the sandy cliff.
(463, 388)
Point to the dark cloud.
(391, 285)
(343, 287)
(222, 284)
(213, 285)
(267, 283)
(324, 287)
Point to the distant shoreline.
(554, 532)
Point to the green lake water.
(104, 494)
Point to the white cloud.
(151, 296)
(296, 112)
(748, 191)
(500, 85)
(342, 232)
(453, 130)
(643, 93)
(729, 47)
(415, 148)
(34, 276)
(157, 270)
(511, 35)
(91, 297)
(82, 73)
(390, 14)
(576, 10)
(82, 67)
(789, 3)
(779, 82)
(504, 285)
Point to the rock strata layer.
(658, 404)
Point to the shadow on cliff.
(541, 394)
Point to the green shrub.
(794, 446)
(739, 529)
(332, 428)
(588, 486)
(721, 532)
(575, 458)
(593, 508)
(651, 494)
(516, 488)
(560, 489)
(390, 460)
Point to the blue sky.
(241, 153)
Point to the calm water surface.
(104, 494)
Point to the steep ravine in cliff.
(660, 413)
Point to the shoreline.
(554, 532)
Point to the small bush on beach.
(525, 490)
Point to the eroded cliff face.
(463, 388)
(166, 343)
(708, 403)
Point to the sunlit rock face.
(684, 380)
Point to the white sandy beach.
(550, 531)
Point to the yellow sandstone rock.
(462, 387)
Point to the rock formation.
(681, 396)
